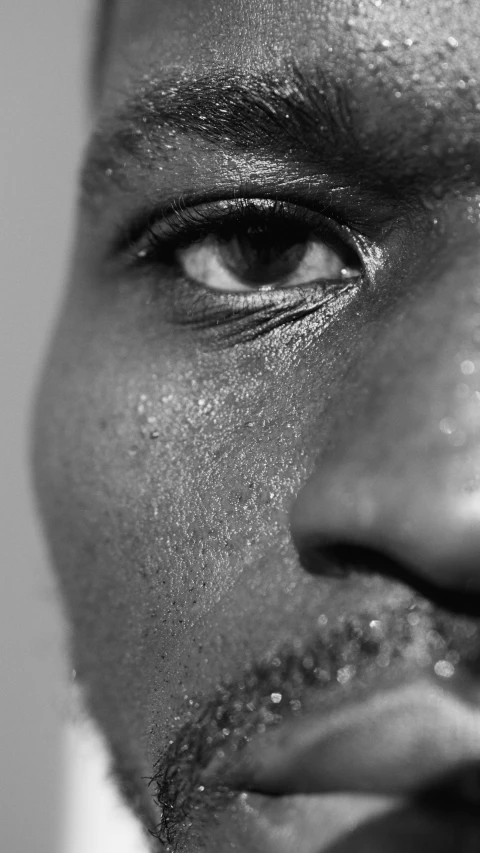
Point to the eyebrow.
(300, 117)
(285, 115)
(248, 111)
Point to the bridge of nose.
(401, 475)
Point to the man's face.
(258, 436)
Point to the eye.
(246, 245)
(265, 257)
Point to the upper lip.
(400, 740)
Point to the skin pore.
(269, 492)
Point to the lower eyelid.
(225, 319)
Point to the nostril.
(459, 791)
(418, 526)
(341, 559)
(469, 787)
(344, 559)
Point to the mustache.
(337, 654)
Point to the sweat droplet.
(383, 44)
(447, 426)
(345, 673)
(444, 668)
(452, 42)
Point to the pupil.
(262, 257)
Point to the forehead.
(409, 72)
(377, 33)
(407, 64)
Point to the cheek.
(165, 475)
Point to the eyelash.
(184, 225)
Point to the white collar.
(95, 818)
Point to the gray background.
(43, 49)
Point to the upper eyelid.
(181, 221)
(321, 206)
(208, 217)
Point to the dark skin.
(217, 469)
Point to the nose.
(398, 487)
